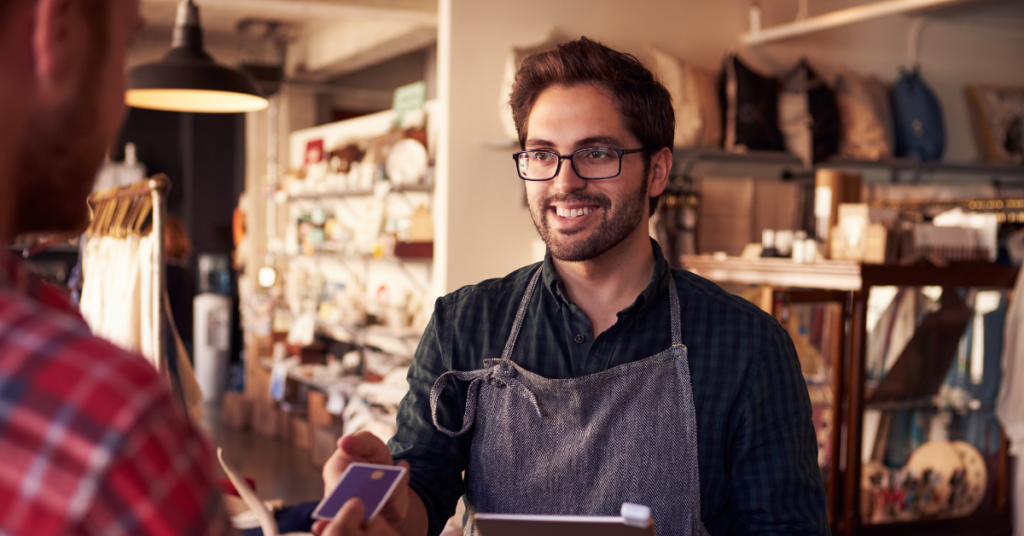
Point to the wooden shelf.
(685, 159)
(834, 275)
(337, 194)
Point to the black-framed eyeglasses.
(592, 163)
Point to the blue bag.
(917, 118)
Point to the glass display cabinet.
(903, 370)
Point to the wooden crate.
(325, 442)
(236, 411)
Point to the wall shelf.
(842, 17)
(397, 189)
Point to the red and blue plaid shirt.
(91, 441)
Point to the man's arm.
(426, 499)
(160, 481)
(775, 477)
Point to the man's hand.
(349, 522)
(367, 448)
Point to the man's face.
(580, 219)
(67, 137)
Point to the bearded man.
(600, 375)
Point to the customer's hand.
(349, 522)
(368, 448)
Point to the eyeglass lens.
(597, 163)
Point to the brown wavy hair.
(644, 103)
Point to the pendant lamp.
(188, 80)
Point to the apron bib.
(582, 446)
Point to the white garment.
(119, 292)
(1010, 404)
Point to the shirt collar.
(648, 297)
(16, 276)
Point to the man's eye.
(597, 154)
(543, 157)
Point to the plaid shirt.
(91, 441)
(756, 443)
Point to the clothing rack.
(124, 210)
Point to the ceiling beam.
(414, 11)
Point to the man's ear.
(58, 44)
(661, 167)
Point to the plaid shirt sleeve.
(159, 482)
(91, 441)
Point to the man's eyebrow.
(592, 141)
(538, 143)
(604, 141)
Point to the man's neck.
(605, 285)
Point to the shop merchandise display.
(808, 115)
(998, 114)
(694, 99)
(866, 116)
(917, 119)
(750, 109)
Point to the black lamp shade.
(188, 80)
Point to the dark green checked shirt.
(756, 444)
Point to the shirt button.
(580, 338)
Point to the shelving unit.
(685, 160)
(837, 282)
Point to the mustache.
(579, 197)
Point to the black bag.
(750, 113)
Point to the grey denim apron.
(582, 446)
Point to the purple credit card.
(372, 483)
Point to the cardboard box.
(267, 418)
(325, 442)
(318, 416)
(236, 411)
(301, 432)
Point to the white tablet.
(635, 521)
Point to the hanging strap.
(500, 373)
(520, 314)
(677, 322)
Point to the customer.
(91, 441)
(713, 431)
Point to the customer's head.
(74, 61)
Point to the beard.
(618, 221)
(56, 165)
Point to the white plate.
(407, 162)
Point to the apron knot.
(498, 373)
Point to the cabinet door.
(931, 446)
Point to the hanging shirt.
(90, 438)
(757, 451)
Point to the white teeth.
(573, 213)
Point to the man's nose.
(567, 180)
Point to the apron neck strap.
(673, 300)
(518, 324)
(673, 297)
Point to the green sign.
(408, 98)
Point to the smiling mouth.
(570, 213)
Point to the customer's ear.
(59, 45)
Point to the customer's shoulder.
(37, 343)
(492, 291)
(709, 296)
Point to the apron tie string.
(501, 375)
